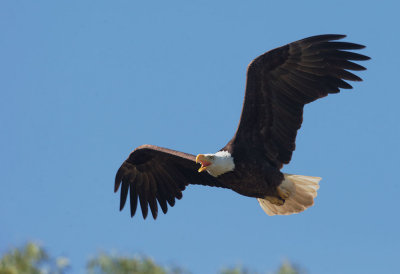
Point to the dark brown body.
(251, 177)
(253, 181)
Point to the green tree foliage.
(285, 268)
(236, 270)
(31, 259)
(107, 264)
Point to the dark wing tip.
(154, 212)
(133, 197)
(118, 179)
(143, 192)
(360, 46)
(322, 38)
(124, 194)
(366, 58)
(354, 45)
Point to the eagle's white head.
(217, 163)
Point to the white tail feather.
(302, 189)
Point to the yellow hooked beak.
(201, 158)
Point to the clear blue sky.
(85, 82)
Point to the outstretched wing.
(279, 84)
(154, 174)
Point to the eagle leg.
(283, 192)
(275, 200)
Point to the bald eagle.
(279, 83)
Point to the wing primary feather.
(161, 192)
(170, 198)
(304, 63)
(321, 38)
(162, 202)
(310, 58)
(180, 178)
(300, 89)
(314, 71)
(292, 68)
(152, 196)
(345, 64)
(124, 193)
(346, 55)
(172, 186)
(133, 199)
(337, 45)
(118, 178)
(344, 74)
(338, 82)
(143, 195)
(306, 88)
(289, 92)
(169, 186)
(307, 76)
(153, 206)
